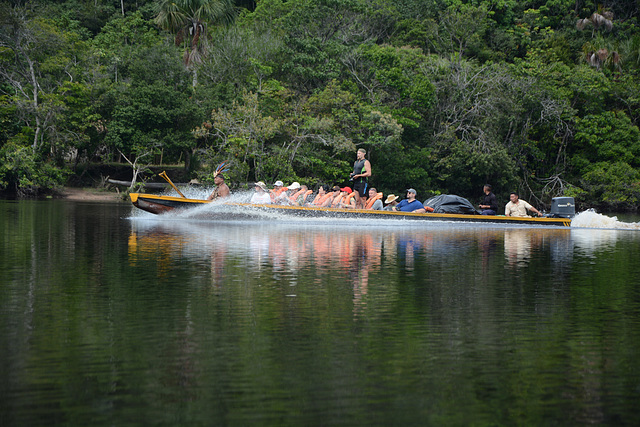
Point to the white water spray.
(592, 219)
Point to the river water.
(112, 317)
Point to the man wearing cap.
(391, 202)
(295, 186)
(283, 197)
(260, 197)
(222, 190)
(351, 203)
(410, 204)
(360, 177)
(340, 201)
(278, 187)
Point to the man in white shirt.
(517, 207)
(260, 197)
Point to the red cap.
(347, 189)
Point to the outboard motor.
(563, 207)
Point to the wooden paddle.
(164, 175)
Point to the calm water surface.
(110, 318)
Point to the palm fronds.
(597, 20)
(188, 20)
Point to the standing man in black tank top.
(359, 176)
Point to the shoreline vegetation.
(534, 96)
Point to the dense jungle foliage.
(537, 96)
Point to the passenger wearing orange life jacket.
(283, 197)
(374, 202)
(350, 202)
(345, 199)
(338, 199)
(322, 196)
(336, 196)
(331, 195)
(300, 197)
(293, 196)
(278, 187)
(305, 198)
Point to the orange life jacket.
(304, 196)
(372, 200)
(273, 193)
(336, 202)
(347, 200)
(319, 200)
(295, 196)
(340, 199)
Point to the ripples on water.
(500, 312)
(111, 317)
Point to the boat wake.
(224, 211)
(592, 219)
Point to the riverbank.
(90, 195)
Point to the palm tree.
(601, 52)
(597, 20)
(188, 20)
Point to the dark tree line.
(535, 96)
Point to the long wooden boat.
(157, 204)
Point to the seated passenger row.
(336, 197)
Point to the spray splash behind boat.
(591, 219)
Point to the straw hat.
(390, 198)
(262, 185)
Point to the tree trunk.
(34, 81)
(187, 160)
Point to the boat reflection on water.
(288, 254)
(294, 321)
